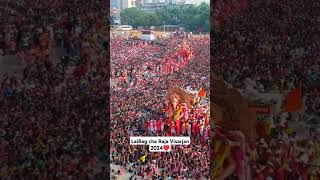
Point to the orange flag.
(201, 93)
(293, 100)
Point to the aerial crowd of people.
(53, 114)
(144, 71)
(275, 44)
(52, 122)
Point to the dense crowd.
(143, 79)
(53, 114)
(275, 44)
(275, 53)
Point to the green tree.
(189, 16)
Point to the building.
(154, 5)
(114, 4)
(123, 4)
(127, 4)
(151, 7)
(196, 2)
(166, 2)
(115, 16)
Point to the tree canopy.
(191, 17)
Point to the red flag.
(293, 100)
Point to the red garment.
(206, 122)
(169, 121)
(71, 167)
(158, 124)
(197, 114)
(198, 128)
(3, 153)
(184, 128)
(238, 154)
(80, 70)
(279, 174)
(260, 176)
(194, 128)
(303, 172)
(178, 126)
(189, 129)
(147, 125)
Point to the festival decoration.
(231, 113)
(181, 110)
(184, 52)
(221, 151)
(178, 95)
(185, 111)
(201, 93)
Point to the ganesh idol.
(177, 108)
